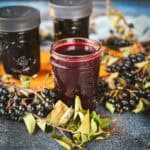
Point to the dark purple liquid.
(77, 76)
(20, 52)
(71, 28)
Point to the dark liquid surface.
(76, 77)
(75, 49)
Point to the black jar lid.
(70, 9)
(18, 18)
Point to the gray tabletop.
(132, 133)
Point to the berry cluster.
(43, 103)
(129, 86)
(127, 64)
(14, 104)
(127, 69)
(116, 43)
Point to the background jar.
(19, 40)
(71, 17)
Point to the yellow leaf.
(85, 124)
(78, 108)
(41, 124)
(66, 116)
(59, 109)
(30, 122)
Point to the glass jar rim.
(96, 45)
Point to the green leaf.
(30, 122)
(110, 107)
(85, 124)
(77, 138)
(81, 116)
(78, 107)
(63, 140)
(96, 117)
(65, 145)
(139, 108)
(93, 126)
(25, 81)
(105, 123)
(41, 124)
(84, 138)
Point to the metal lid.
(18, 18)
(70, 9)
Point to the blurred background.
(136, 12)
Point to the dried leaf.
(6, 77)
(30, 122)
(110, 107)
(122, 82)
(110, 80)
(59, 110)
(139, 107)
(141, 64)
(66, 116)
(146, 102)
(41, 124)
(147, 85)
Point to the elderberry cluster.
(129, 85)
(123, 101)
(10, 104)
(42, 106)
(127, 69)
(116, 43)
(127, 64)
(13, 105)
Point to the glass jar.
(75, 65)
(19, 40)
(71, 17)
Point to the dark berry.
(31, 108)
(40, 114)
(40, 107)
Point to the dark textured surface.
(132, 133)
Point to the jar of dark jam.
(71, 17)
(19, 40)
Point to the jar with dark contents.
(71, 18)
(19, 40)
